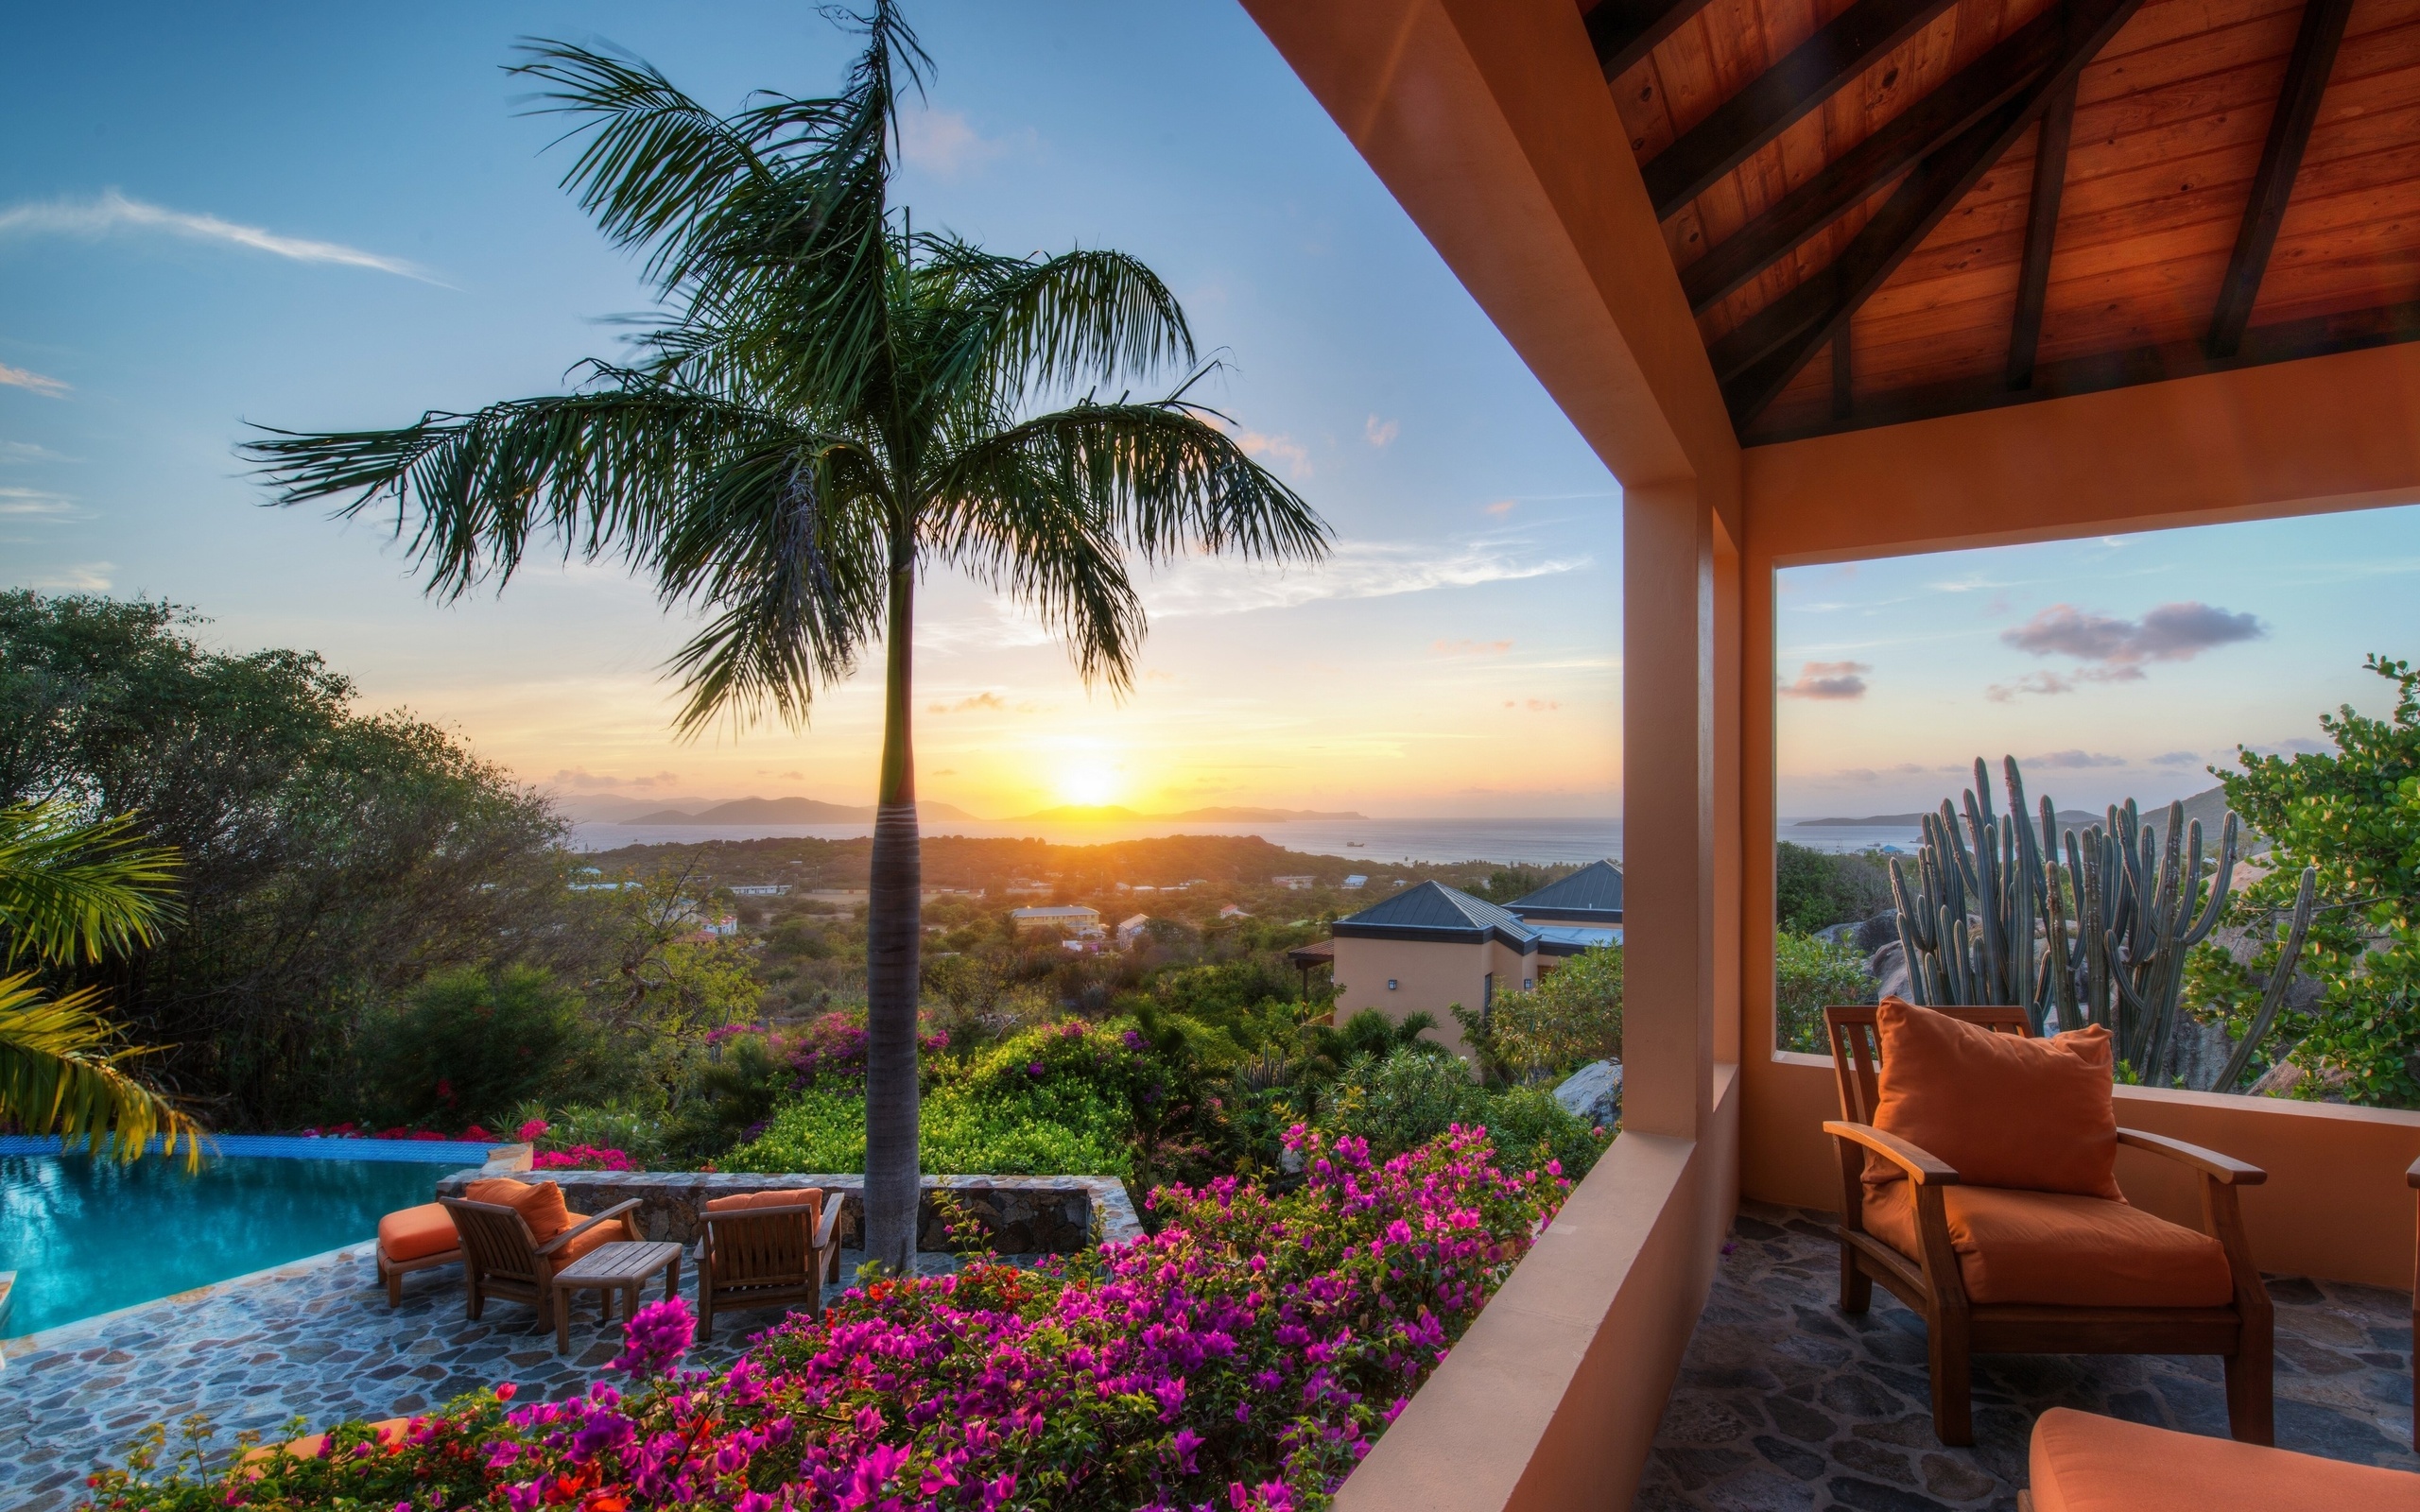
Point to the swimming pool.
(88, 1236)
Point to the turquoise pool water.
(88, 1236)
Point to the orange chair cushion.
(416, 1233)
(2003, 1110)
(2057, 1248)
(742, 1201)
(2085, 1463)
(541, 1203)
(604, 1233)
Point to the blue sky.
(331, 217)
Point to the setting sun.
(1088, 784)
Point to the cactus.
(1992, 917)
(1967, 924)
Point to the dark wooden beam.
(1624, 31)
(1838, 52)
(1843, 372)
(1851, 179)
(2285, 341)
(2041, 231)
(1758, 360)
(2307, 73)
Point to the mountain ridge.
(794, 810)
(1117, 813)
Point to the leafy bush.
(472, 1044)
(1572, 1017)
(1808, 975)
(731, 1098)
(627, 1128)
(1815, 889)
(1245, 1356)
(1404, 1100)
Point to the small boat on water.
(1355, 845)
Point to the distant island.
(2068, 818)
(2209, 807)
(1113, 813)
(794, 810)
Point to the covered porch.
(1804, 278)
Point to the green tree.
(2352, 815)
(330, 861)
(834, 404)
(73, 892)
(1809, 976)
(1573, 1016)
(1815, 889)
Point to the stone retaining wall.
(1020, 1214)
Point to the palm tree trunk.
(894, 928)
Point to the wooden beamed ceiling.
(1968, 203)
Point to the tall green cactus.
(1993, 917)
(1968, 922)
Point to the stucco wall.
(1427, 977)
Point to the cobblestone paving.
(1785, 1402)
(313, 1339)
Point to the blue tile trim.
(291, 1147)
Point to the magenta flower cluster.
(833, 1047)
(1243, 1358)
(584, 1158)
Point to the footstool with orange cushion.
(417, 1238)
(2085, 1463)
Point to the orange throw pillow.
(541, 1203)
(2005, 1111)
(742, 1201)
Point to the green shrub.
(472, 1045)
(1065, 1130)
(1808, 976)
(1815, 889)
(1401, 1101)
(730, 1099)
(1572, 1017)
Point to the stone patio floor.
(314, 1339)
(1785, 1402)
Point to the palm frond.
(603, 471)
(1020, 321)
(73, 891)
(63, 1071)
(1162, 478)
(788, 546)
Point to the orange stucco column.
(1668, 694)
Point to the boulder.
(1594, 1092)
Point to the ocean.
(1379, 841)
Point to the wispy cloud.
(19, 378)
(581, 777)
(1828, 679)
(111, 213)
(1502, 507)
(979, 703)
(33, 504)
(28, 452)
(74, 577)
(1471, 647)
(1536, 706)
(2073, 760)
(1208, 585)
(1276, 448)
(943, 142)
(2177, 758)
(1380, 432)
(2172, 632)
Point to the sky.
(329, 218)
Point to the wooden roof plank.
(2041, 231)
(1924, 127)
(2314, 58)
(1625, 31)
(1838, 52)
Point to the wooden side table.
(622, 1267)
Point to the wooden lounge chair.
(762, 1249)
(2082, 1462)
(2032, 1248)
(502, 1254)
(414, 1239)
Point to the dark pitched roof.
(1433, 911)
(1592, 895)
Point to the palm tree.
(73, 893)
(834, 402)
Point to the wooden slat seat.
(767, 1255)
(502, 1258)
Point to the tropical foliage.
(1246, 1356)
(73, 892)
(1810, 974)
(833, 404)
(1573, 1016)
(2353, 815)
(1404, 1100)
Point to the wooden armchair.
(502, 1257)
(765, 1248)
(1932, 1279)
